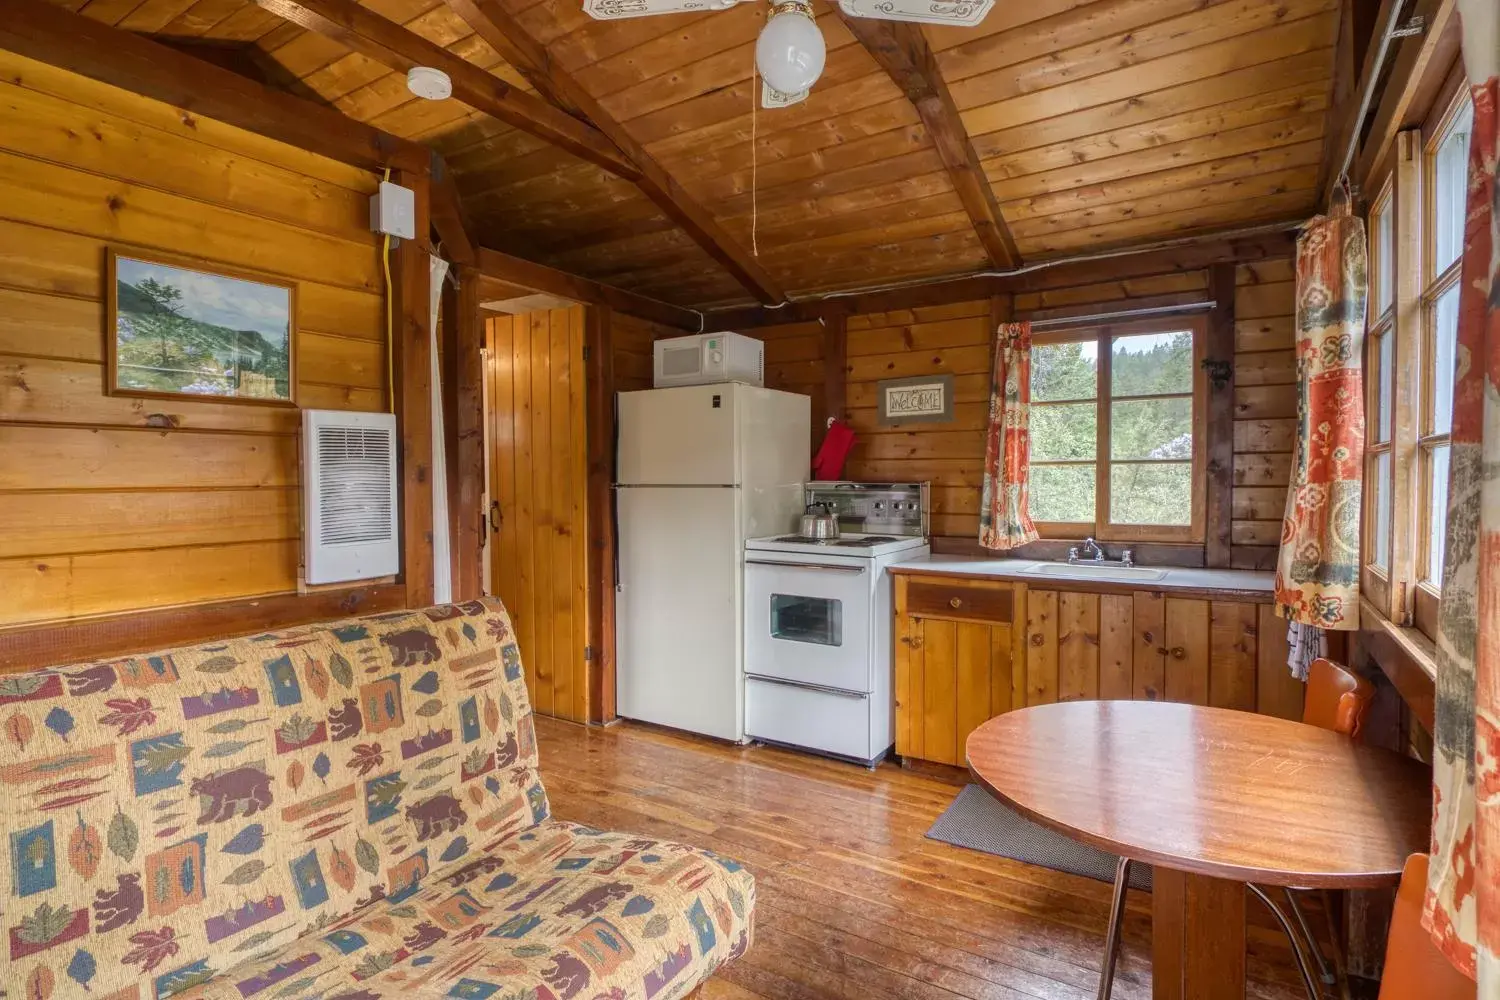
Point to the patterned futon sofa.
(347, 811)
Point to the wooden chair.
(1414, 968)
(1336, 699)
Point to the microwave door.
(684, 362)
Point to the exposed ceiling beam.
(540, 278)
(493, 23)
(448, 215)
(1189, 256)
(902, 51)
(48, 33)
(392, 45)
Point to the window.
(1379, 382)
(1447, 165)
(1113, 448)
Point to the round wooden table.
(1212, 799)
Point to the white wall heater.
(348, 496)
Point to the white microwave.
(709, 357)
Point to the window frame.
(1427, 593)
(1380, 324)
(1101, 527)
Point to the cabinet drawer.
(929, 599)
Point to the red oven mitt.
(828, 464)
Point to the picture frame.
(188, 329)
(919, 399)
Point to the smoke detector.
(427, 82)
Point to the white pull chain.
(754, 161)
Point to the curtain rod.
(1190, 307)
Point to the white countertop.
(1241, 580)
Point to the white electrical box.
(393, 211)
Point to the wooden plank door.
(538, 485)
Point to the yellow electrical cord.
(390, 360)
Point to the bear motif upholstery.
(348, 811)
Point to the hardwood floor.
(853, 901)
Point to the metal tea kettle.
(819, 522)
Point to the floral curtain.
(1462, 909)
(1003, 520)
(1317, 569)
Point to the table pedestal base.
(1197, 937)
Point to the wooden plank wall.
(539, 469)
(1265, 408)
(956, 338)
(795, 363)
(632, 337)
(115, 504)
(1151, 647)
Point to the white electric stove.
(819, 623)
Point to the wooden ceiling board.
(1245, 190)
(1094, 123)
(982, 115)
(1252, 162)
(247, 24)
(1198, 220)
(1304, 69)
(154, 15)
(783, 157)
(722, 118)
(1157, 145)
(821, 187)
(198, 20)
(109, 11)
(963, 56)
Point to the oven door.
(808, 621)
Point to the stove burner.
(845, 543)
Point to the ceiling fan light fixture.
(790, 51)
(429, 83)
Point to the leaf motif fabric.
(216, 792)
(1004, 520)
(1317, 566)
(283, 814)
(1462, 906)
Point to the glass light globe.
(790, 50)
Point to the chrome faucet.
(1127, 558)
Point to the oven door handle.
(835, 567)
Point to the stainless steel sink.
(1084, 571)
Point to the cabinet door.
(951, 678)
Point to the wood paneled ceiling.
(1095, 124)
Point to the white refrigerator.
(699, 469)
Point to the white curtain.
(442, 545)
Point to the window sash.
(1102, 526)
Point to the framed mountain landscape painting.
(178, 328)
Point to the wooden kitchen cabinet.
(968, 649)
(957, 647)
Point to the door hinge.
(588, 653)
(587, 350)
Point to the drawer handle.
(954, 602)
